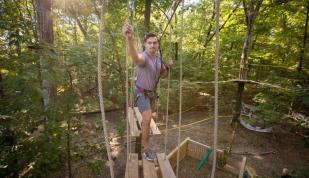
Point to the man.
(149, 69)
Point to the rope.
(182, 126)
(157, 102)
(130, 7)
(236, 80)
(101, 44)
(196, 122)
(127, 91)
(214, 163)
(132, 101)
(180, 83)
(168, 92)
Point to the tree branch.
(222, 26)
(73, 13)
(257, 7)
(246, 10)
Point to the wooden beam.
(182, 152)
(138, 116)
(242, 167)
(132, 166)
(165, 166)
(153, 127)
(149, 169)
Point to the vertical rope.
(132, 100)
(168, 91)
(127, 91)
(157, 102)
(214, 163)
(101, 45)
(180, 85)
(127, 104)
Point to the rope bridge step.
(153, 126)
(132, 166)
(165, 166)
(135, 123)
(134, 130)
(150, 169)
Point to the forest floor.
(288, 148)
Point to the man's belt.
(143, 90)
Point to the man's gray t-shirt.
(149, 73)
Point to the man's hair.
(149, 35)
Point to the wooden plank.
(153, 127)
(242, 167)
(132, 166)
(138, 116)
(134, 131)
(182, 153)
(149, 169)
(165, 166)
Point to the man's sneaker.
(149, 155)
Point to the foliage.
(275, 53)
(121, 128)
(302, 172)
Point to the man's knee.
(146, 116)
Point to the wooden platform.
(197, 150)
(161, 168)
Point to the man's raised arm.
(128, 33)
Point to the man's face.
(151, 45)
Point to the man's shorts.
(143, 102)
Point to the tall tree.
(250, 15)
(46, 37)
(147, 15)
(302, 53)
(45, 21)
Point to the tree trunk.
(147, 15)
(46, 39)
(302, 53)
(1, 88)
(69, 130)
(250, 17)
(45, 21)
(176, 43)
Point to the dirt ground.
(288, 149)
